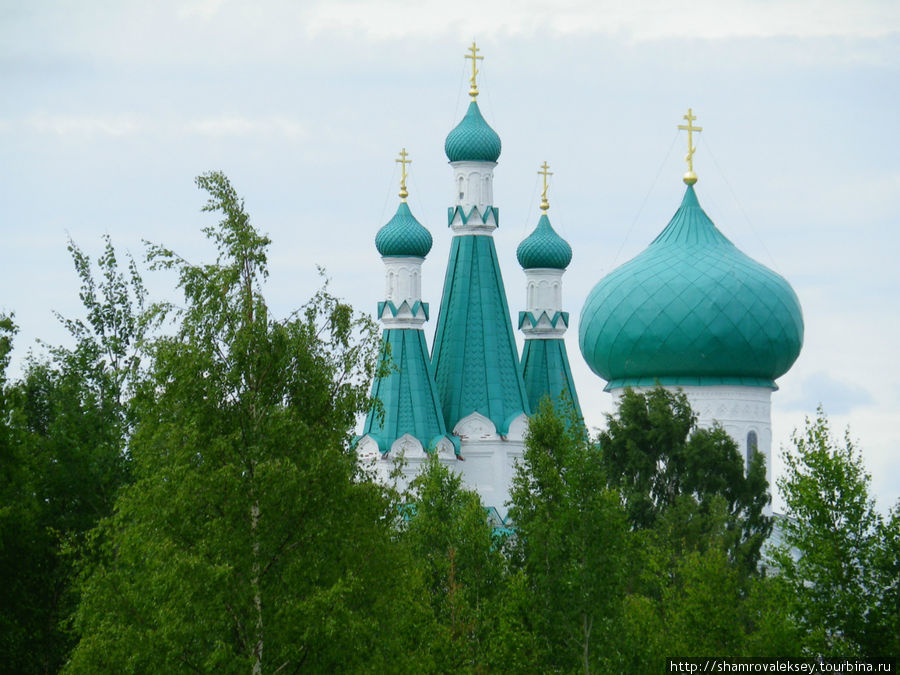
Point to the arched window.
(752, 446)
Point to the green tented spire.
(475, 360)
(545, 368)
(405, 395)
(544, 256)
(409, 402)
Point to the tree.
(66, 457)
(839, 555)
(688, 597)
(655, 455)
(249, 540)
(696, 526)
(452, 545)
(572, 543)
(24, 543)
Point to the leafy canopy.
(659, 459)
(249, 539)
(840, 557)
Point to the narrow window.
(752, 446)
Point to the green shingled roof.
(403, 236)
(472, 139)
(546, 371)
(475, 360)
(691, 309)
(407, 393)
(544, 248)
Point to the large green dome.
(544, 248)
(403, 236)
(472, 140)
(691, 309)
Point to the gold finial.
(473, 90)
(403, 162)
(544, 172)
(690, 177)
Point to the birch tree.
(249, 541)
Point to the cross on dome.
(690, 177)
(473, 90)
(545, 172)
(403, 162)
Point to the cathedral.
(690, 312)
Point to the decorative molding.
(518, 428)
(543, 325)
(403, 316)
(475, 426)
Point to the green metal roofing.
(544, 248)
(691, 309)
(403, 236)
(546, 371)
(475, 360)
(472, 139)
(407, 393)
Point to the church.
(690, 312)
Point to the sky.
(110, 109)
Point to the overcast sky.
(109, 109)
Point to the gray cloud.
(836, 397)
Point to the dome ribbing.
(472, 139)
(691, 309)
(544, 248)
(403, 236)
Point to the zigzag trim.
(413, 309)
(453, 210)
(557, 317)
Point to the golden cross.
(473, 90)
(403, 162)
(690, 177)
(544, 172)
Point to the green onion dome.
(544, 248)
(472, 139)
(403, 236)
(691, 309)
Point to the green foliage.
(68, 426)
(844, 575)
(688, 597)
(572, 543)
(249, 540)
(203, 487)
(655, 455)
(451, 543)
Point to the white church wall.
(543, 290)
(486, 463)
(473, 183)
(402, 279)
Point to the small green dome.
(403, 236)
(544, 248)
(472, 139)
(691, 309)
